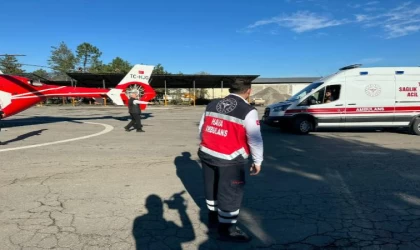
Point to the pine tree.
(10, 65)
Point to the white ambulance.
(377, 97)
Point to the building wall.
(297, 87)
(217, 93)
(283, 88)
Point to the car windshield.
(305, 91)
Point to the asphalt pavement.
(72, 178)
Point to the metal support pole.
(213, 93)
(194, 91)
(103, 85)
(165, 94)
(221, 91)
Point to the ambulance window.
(332, 93)
(319, 95)
(327, 94)
(314, 99)
(305, 91)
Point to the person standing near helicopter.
(135, 112)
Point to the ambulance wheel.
(303, 125)
(415, 127)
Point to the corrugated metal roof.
(284, 80)
(158, 81)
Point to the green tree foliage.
(98, 67)
(118, 65)
(88, 57)
(62, 60)
(160, 70)
(41, 73)
(10, 65)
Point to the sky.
(270, 38)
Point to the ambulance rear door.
(370, 97)
(407, 101)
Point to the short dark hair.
(240, 86)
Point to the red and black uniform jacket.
(223, 135)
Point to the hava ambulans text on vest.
(224, 133)
(217, 130)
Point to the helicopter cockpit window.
(35, 83)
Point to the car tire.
(303, 125)
(415, 127)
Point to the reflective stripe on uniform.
(211, 208)
(211, 205)
(228, 214)
(211, 202)
(225, 117)
(224, 156)
(230, 221)
(228, 217)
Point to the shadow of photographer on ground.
(152, 231)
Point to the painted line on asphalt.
(108, 128)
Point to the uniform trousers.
(224, 189)
(135, 120)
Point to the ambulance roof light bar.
(353, 66)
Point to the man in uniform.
(135, 112)
(230, 132)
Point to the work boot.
(230, 232)
(213, 219)
(140, 130)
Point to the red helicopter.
(19, 93)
